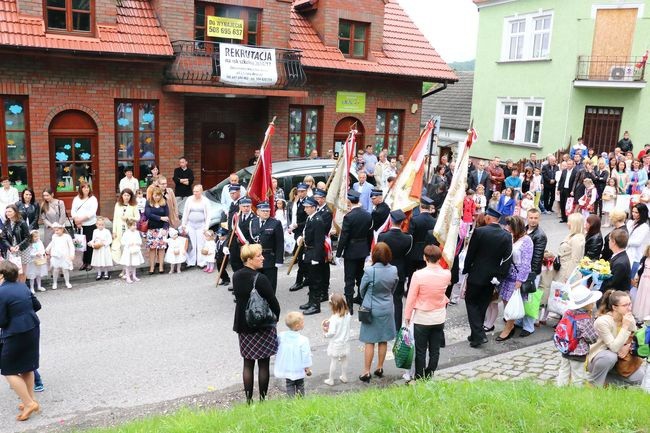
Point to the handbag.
(403, 349)
(143, 223)
(16, 260)
(556, 263)
(365, 314)
(258, 313)
(628, 363)
(528, 286)
(79, 241)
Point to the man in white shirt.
(128, 181)
(8, 195)
(225, 193)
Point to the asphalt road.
(111, 347)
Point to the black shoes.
(507, 337)
(305, 306)
(313, 309)
(476, 344)
(224, 283)
(525, 333)
(296, 287)
(379, 372)
(357, 300)
(488, 329)
(365, 378)
(99, 277)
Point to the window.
(388, 132)
(252, 23)
(69, 15)
(14, 139)
(527, 37)
(353, 38)
(304, 130)
(541, 36)
(136, 138)
(519, 121)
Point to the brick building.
(89, 87)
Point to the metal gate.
(601, 128)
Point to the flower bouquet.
(598, 270)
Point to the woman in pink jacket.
(426, 306)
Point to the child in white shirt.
(208, 252)
(61, 251)
(37, 267)
(337, 328)
(480, 199)
(537, 185)
(176, 250)
(293, 360)
(131, 251)
(101, 244)
(140, 200)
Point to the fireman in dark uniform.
(326, 216)
(400, 245)
(420, 227)
(380, 211)
(233, 246)
(268, 232)
(313, 241)
(298, 218)
(354, 245)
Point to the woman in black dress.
(29, 208)
(19, 338)
(16, 239)
(254, 344)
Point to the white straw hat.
(581, 296)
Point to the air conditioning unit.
(621, 73)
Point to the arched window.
(342, 129)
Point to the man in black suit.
(268, 232)
(489, 255)
(619, 264)
(299, 216)
(400, 244)
(420, 227)
(566, 184)
(354, 245)
(326, 215)
(381, 211)
(479, 177)
(548, 178)
(313, 240)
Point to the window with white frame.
(527, 37)
(519, 121)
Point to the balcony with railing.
(611, 72)
(198, 65)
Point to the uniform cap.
(263, 206)
(309, 201)
(376, 193)
(245, 201)
(398, 216)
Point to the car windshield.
(214, 193)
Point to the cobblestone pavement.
(539, 362)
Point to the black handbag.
(528, 286)
(556, 263)
(365, 314)
(258, 312)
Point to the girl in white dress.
(61, 252)
(337, 329)
(208, 252)
(131, 251)
(176, 250)
(609, 199)
(196, 220)
(37, 267)
(101, 245)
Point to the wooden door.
(612, 44)
(342, 129)
(73, 152)
(601, 127)
(217, 152)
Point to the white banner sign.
(247, 66)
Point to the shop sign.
(229, 28)
(350, 102)
(247, 66)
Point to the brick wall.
(176, 17)
(54, 85)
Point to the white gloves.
(299, 240)
(495, 281)
(278, 265)
(226, 251)
(314, 262)
(337, 261)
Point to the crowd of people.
(396, 276)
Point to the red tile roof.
(136, 33)
(406, 52)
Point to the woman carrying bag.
(377, 286)
(16, 240)
(84, 216)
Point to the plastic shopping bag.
(531, 306)
(403, 349)
(568, 207)
(558, 298)
(79, 242)
(515, 308)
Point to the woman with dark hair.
(593, 237)
(601, 175)
(376, 290)
(84, 216)
(639, 230)
(20, 334)
(52, 211)
(125, 209)
(427, 304)
(29, 208)
(522, 255)
(620, 174)
(153, 175)
(526, 179)
(157, 213)
(614, 326)
(16, 240)
(254, 344)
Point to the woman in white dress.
(196, 220)
(101, 248)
